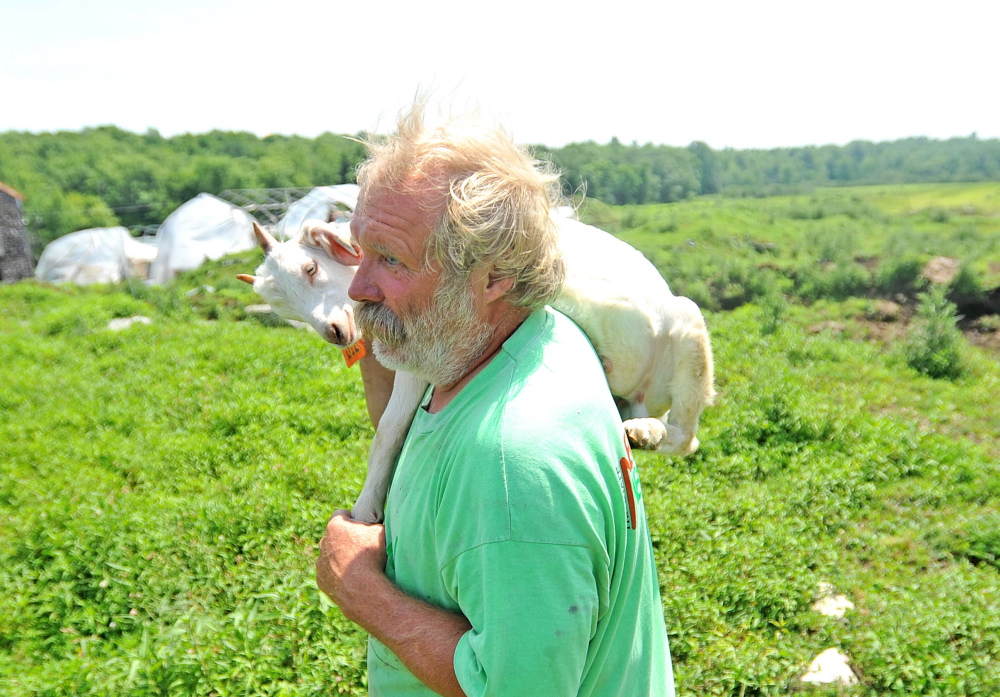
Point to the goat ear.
(264, 238)
(334, 240)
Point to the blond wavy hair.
(498, 200)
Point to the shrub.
(934, 344)
(773, 310)
(699, 293)
(737, 282)
(900, 275)
(938, 215)
(976, 539)
(967, 282)
(838, 281)
(831, 243)
(989, 323)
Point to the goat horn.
(246, 278)
(264, 238)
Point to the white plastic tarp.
(205, 227)
(98, 255)
(322, 203)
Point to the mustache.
(377, 321)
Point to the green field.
(163, 488)
(833, 244)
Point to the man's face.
(415, 317)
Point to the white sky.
(739, 74)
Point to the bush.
(967, 282)
(737, 282)
(934, 344)
(832, 243)
(773, 309)
(900, 275)
(838, 281)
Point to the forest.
(108, 176)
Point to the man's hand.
(351, 556)
(351, 570)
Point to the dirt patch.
(941, 270)
(882, 332)
(890, 325)
(869, 263)
(885, 311)
(981, 334)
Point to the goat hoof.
(367, 514)
(643, 435)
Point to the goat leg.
(407, 391)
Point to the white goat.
(653, 344)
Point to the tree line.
(635, 174)
(108, 176)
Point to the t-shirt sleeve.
(535, 608)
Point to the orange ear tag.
(354, 353)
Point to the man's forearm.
(422, 636)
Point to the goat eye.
(311, 268)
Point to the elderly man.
(514, 557)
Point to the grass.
(806, 475)
(834, 243)
(162, 491)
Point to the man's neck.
(444, 394)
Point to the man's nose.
(362, 286)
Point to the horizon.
(971, 136)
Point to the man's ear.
(334, 238)
(497, 287)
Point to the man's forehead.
(397, 222)
(416, 194)
(394, 215)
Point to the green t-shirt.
(519, 506)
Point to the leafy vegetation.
(934, 346)
(634, 174)
(108, 176)
(163, 488)
(863, 242)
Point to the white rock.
(258, 309)
(833, 606)
(831, 666)
(829, 603)
(120, 323)
(200, 289)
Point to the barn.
(15, 252)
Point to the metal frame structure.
(265, 205)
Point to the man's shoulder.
(555, 374)
(551, 437)
(548, 327)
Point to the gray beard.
(440, 344)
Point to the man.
(515, 557)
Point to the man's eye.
(391, 261)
